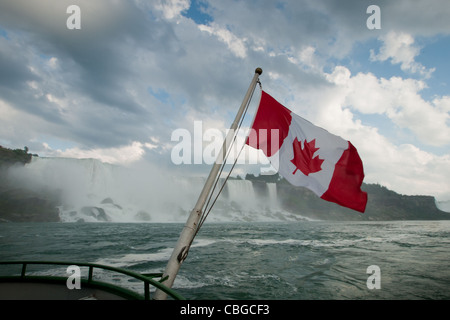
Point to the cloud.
(236, 45)
(400, 49)
(421, 18)
(401, 166)
(121, 155)
(172, 8)
(87, 83)
(398, 163)
(404, 168)
(400, 100)
(138, 70)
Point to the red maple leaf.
(303, 158)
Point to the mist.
(88, 190)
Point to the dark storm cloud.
(94, 71)
(98, 86)
(13, 73)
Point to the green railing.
(147, 279)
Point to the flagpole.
(181, 249)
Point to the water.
(258, 260)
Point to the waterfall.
(91, 191)
(273, 195)
(242, 194)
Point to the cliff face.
(382, 205)
(10, 157)
(19, 204)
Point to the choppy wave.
(302, 260)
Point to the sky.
(135, 73)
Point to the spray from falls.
(91, 191)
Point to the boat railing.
(148, 279)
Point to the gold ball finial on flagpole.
(258, 71)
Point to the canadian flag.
(307, 155)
